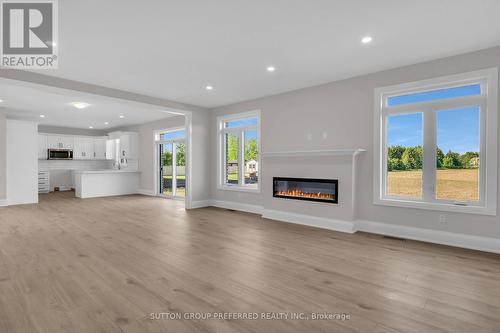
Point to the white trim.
(313, 221)
(479, 243)
(488, 101)
(237, 206)
(200, 204)
(3, 203)
(471, 242)
(146, 192)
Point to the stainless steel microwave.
(60, 154)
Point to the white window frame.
(488, 101)
(221, 159)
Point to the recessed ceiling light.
(271, 68)
(106, 123)
(209, 88)
(80, 105)
(42, 116)
(122, 116)
(366, 39)
(91, 127)
(1, 100)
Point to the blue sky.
(457, 130)
(251, 134)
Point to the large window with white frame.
(239, 151)
(436, 143)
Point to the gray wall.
(3, 156)
(344, 111)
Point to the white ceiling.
(27, 101)
(173, 48)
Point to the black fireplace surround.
(317, 190)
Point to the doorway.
(171, 150)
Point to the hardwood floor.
(105, 265)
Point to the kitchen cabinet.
(100, 148)
(111, 146)
(60, 142)
(129, 145)
(84, 148)
(42, 147)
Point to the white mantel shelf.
(329, 152)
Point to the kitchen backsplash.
(74, 165)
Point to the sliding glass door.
(172, 168)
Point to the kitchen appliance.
(60, 154)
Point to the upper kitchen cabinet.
(42, 147)
(111, 146)
(84, 148)
(60, 142)
(100, 148)
(128, 143)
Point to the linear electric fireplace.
(318, 190)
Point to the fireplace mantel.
(326, 152)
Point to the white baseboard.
(3, 203)
(146, 192)
(486, 244)
(237, 206)
(200, 204)
(313, 221)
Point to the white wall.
(22, 162)
(344, 111)
(3, 159)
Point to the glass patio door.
(172, 169)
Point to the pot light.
(271, 68)
(106, 123)
(42, 116)
(366, 39)
(122, 116)
(80, 105)
(1, 100)
(209, 88)
(91, 127)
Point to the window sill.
(239, 188)
(443, 207)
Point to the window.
(239, 151)
(436, 144)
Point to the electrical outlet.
(309, 137)
(325, 135)
(442, 218)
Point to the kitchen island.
(105, 183)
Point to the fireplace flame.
(301, 194)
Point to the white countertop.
(104, 171)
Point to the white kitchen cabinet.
(83, 148)
(60, 142)
(129, 145)
(100, 148)
(111, 146)
(42, 147)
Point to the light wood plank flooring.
(104, 265)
